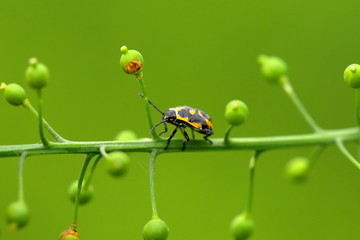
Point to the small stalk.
(315, 154)
(358, 106)
(252, 165)
(52, 131)
(86, 162)
(91, 173)
(21, 179)
(44, 141)
(152, 188)
(347, 154)
(140, 77)
(236, 113)
(358, 116)
(227, 134)
(295, 99)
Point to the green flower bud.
(117, 163)
(70, 234)
(126, 135)
(37, 74)
(242, 227)
(272, 68)
(155, 229)
(14, 94)
(131, 61)
(297, 169)
(86, 194)
(236, 112)
(352, 75)
(17, 215)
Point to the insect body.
(182, 117)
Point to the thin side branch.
(347, 154)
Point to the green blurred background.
(197, 53)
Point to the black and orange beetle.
(182, 117)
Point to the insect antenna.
(152, 104)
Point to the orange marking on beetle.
(195, 124)
(182, 119)
(209, 123)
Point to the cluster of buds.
(37, 76)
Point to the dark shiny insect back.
(182, 117)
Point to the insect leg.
(153, 128)
(208, 140)
(193, 134)
(165, 128)
(186, 139)
(171, 136)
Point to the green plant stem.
(140, 78)
(347, 154)
(358, 106)
(44, 141)
(146, 145)
(295, 99)
(252, 166)
(21, 176)
(315, 154)
(358, 116)
(152, 184)
(91, 173)
(57, 136)
(86, 162)
(227, 134)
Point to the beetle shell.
(190, 117)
